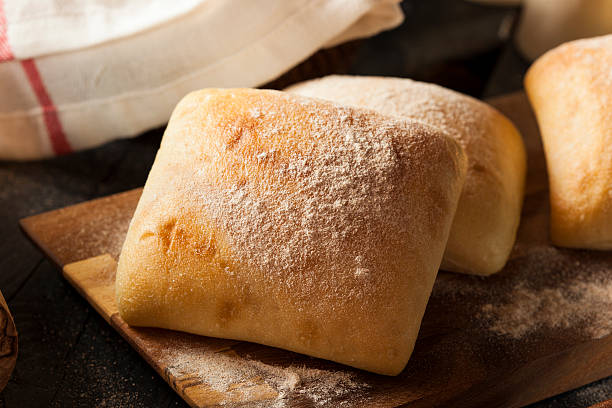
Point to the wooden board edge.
(30, 225)
(121, 327)
(92, 277)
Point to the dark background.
(68, 355)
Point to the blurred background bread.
(570, 89)
(545, 24)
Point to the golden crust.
(488, 215)
(274, 218)
(570, 89)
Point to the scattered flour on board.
(569, 294)
(586, 304)
(228, 373)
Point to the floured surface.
(239, 377)
(586, 303)
(484, 341)
(544, 290)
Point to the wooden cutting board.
(540, 327)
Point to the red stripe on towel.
(5, 49)
(54, 126)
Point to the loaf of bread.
(570, 90)
(292, 222)
(488, 215)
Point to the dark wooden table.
(68, 355)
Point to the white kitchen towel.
(75, 74)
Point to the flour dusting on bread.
(323, 208)
(487, 217)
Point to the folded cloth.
(76, 74)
